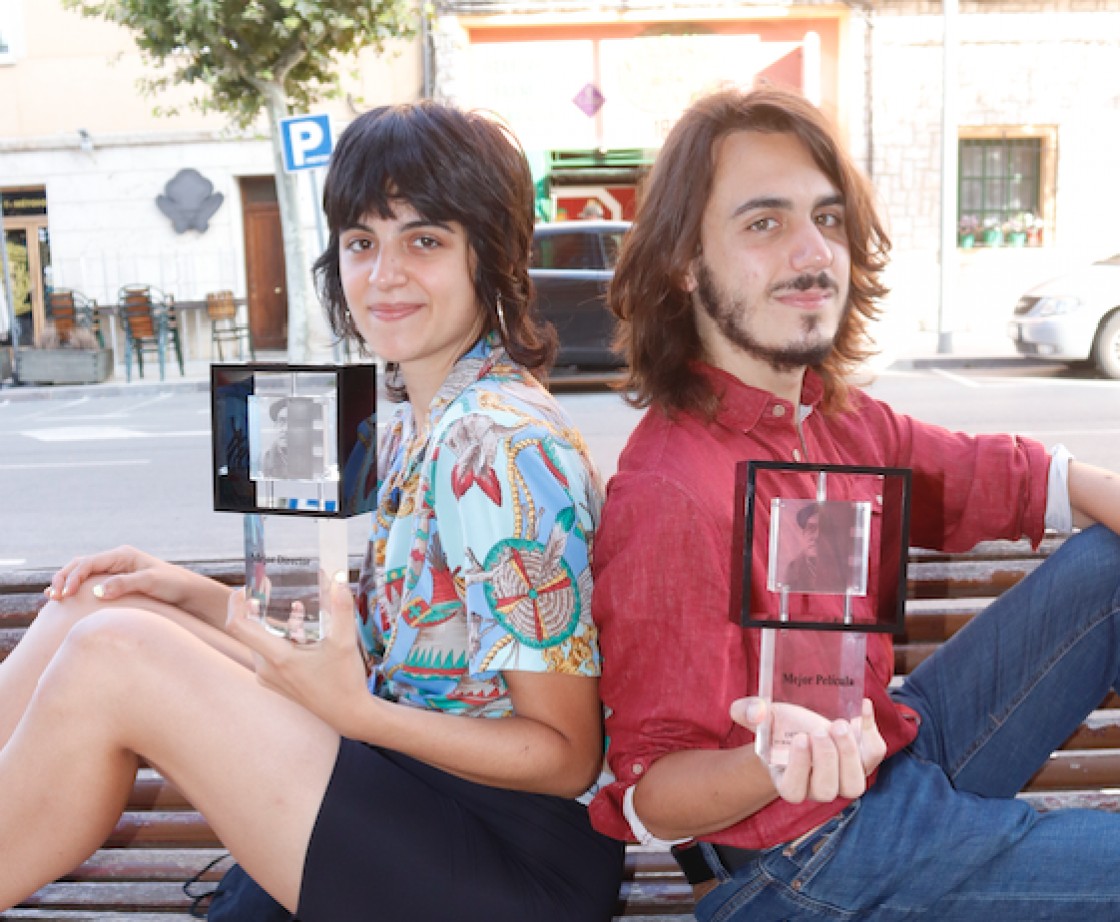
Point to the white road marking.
(104, 433)
(41, 465)
(957, 379)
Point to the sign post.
(307, 145)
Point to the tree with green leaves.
(249, 55)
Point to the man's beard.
(730, 314)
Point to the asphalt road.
(98, 470)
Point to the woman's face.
(408, 284)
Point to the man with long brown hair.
(744, 292)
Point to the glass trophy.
(295, 451)
(823, 551)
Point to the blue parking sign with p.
(306, 141)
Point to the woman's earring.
(502, 317)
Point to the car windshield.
(1111, 261)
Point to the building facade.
(590, 88)
(100, 192)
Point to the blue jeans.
(941, 835)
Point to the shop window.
(1005, 189)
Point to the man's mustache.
(805, 281)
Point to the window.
(1006, 183)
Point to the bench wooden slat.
(150, 864)
(55, 914)
(111, 894)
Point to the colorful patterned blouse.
(479, 559)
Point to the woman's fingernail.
(99, 591)
(341, 577)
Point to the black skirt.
(398, 840)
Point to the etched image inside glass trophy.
(821, 569)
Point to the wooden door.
(264, 263)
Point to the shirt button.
(779, 410)
(637, 768)
(797, 454)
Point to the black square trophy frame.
(231, 386)
(893, 544)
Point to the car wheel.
(1106, 352)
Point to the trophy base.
(809, 679)
(292, 582)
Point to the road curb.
(913, 363)
(19, 392)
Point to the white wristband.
(643, 835)
(1059, 513)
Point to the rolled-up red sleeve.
(966, 488)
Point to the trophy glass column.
(823, 564)
(294, 451)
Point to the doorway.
(264, 263)
(29, 259)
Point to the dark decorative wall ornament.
(190, 201)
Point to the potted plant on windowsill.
(80, 359)
(991, 234)
(1034, 230)
(966, 231)
(1015, 229)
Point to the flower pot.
(966, 241)
(64, 366)
(1017, 239)
(992, 237)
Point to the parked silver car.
(571, 266)
(1073, 318)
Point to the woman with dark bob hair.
(449, 779)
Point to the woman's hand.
(826, 759)
(328, 678)
(124, 571)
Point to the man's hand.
(826, 759)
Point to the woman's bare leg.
(20, 672)
(123, 684)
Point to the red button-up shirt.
(673, 660)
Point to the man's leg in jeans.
(1011, 687)
(998, 699)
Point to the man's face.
(770, 284)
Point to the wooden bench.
(161, 841)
